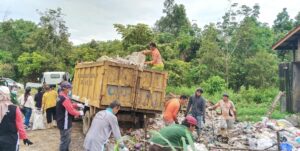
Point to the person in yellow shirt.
(49, 105)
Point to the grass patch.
(251, 104)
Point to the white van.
(50, 78)
(53, 78)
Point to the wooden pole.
(273, 106)
(278, 140)
(145, 129)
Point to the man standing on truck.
(49, 105)
(65, 111)
(197, 103)
(157, 63)
(171, 109)
(103, 124)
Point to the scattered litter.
(261, 135)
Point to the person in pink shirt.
(11, 123)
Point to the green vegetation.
(251, 103)
(234, 53)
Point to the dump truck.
(140, 92)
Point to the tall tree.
(132, 35)
(52, 36)
(283, 23)
(174, 20)
(13, 33)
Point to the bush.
(214, 85)
(251, 103)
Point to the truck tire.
(86, 122)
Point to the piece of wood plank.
(274, 104)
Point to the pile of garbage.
(263, 135)
(244, 136)
(136, 58)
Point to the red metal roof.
(289, 41)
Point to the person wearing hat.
(174, 134)
(65, 111)
(11, 123)
(196, 107)
(228, 111)
(156, 62)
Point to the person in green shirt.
(174, 134)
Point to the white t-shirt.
(29, 103)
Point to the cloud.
(94, 19)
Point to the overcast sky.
(94, 19)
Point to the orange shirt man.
(171, 109)
(156, 61)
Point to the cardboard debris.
(136, 58)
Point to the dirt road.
(48, 140)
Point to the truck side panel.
(151, 90)
(102, 83)
(87, 84)
(119, 84)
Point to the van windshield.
(54, 76)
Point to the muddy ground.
(48, 139)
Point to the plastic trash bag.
(197, 147)
(282, 123)
(260, 143)
(286, 147)
(38, 120)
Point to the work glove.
(80, 105)
(81, 113)
(27, 142)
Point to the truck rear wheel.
(86, 122)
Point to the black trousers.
(4, 146)
(51, 114)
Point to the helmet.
(66, 85)
(191, 120)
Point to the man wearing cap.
(174, 134)
(65, 111)
(228, 111)
(197, 103)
